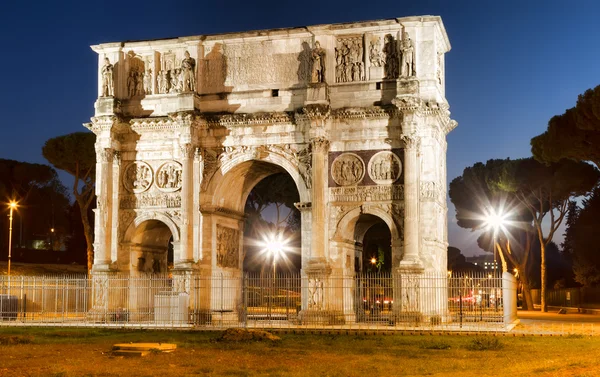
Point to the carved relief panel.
(347, 169)
(136, 76)
(138, 177)
(228, 247)
(366, 167)
(349, 59)
(168, 177)
(384, 167)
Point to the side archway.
(148, 242)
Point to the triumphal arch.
(355, 113)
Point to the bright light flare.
(496, 219)
(275, 245)
(13, 204)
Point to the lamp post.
(274, 245)
(12, 205)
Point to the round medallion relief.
(138, 177)
(168, 176)
(347, 169)
(384, 167)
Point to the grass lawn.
(86, 352)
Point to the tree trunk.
(501, 254)
(87, 231)
(544, 306)
(527, 299)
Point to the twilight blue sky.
(513, 64)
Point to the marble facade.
(355, 113)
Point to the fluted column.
(187, 201)
(411, 202)
(320, 148)
(103, 223)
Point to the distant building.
(485, 261)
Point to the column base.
(322, 317)
(411, 266)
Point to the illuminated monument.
(355, 113)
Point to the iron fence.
(582, 298)
(369, 301)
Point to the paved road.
(535, 316)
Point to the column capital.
(411, 141)
(303, 206)
(105, 155)
(320, 144)
(188, 150)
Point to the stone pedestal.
(375, 73)
(317, 94)
(408, 284)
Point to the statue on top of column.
(188, 73)
(107, 79)
(408, 56)
(318, 64)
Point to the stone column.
(116, 173)
(411, 257)
(185, 255)
(103, 222)
(320, 148)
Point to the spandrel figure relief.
(107, 79)
(347, 169)
(168, 177)
(384, 167)
(138, 177)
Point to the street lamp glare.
(12, 205)
(373, 260)
(495, 220)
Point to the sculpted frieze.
(146, 200)
(138, 177)
(366, 193)
(168, 177)
(228, 247)
(430, 190)
(348, 169)
(349, 59)
(376, 57)
(384, 167)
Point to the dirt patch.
(15, 339)
(244, 335)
